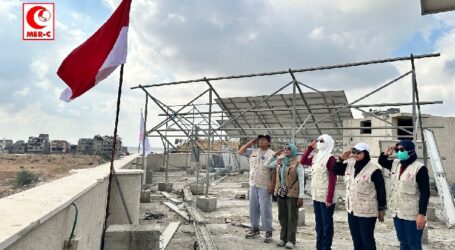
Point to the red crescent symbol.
(31, 17)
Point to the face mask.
(320, 145)
(402, 155)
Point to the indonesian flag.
(98, 57)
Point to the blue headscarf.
(286, 160)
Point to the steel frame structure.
(188, 121)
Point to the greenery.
(26, 177)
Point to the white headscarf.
(325, 148)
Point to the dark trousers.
(362, 232)
(324, 225)
(409, 236)
(288, 213)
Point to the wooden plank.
(170, 197)
(177, 210)
(166, 236)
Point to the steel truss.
(188, 121)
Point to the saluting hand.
(389, 151)
(346, 155)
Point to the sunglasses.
(355, 151)
(321, 140)
(399, 149)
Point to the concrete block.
(167, 187)
(245, 185)
(301, 218)
(145, 196)
(425, 235)
(72, 245)
(118, 237)
(431, 214)
(241, 195)
(148, 177)
(206, 204)
(197, 189)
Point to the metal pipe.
(336, 66)
(318, 108)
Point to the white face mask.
(320, 146)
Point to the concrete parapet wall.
(42, 217)
(181, 160)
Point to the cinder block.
(206, 204)
(425, 235)
(431, 214)
(166, 187)
(197, 189)
(145, 196)
(245, 185)
(301, 219)
(118, 237)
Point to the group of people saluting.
(281, 174)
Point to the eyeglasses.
(399, 149)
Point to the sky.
(172, 40)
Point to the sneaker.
(252, 233)
(268, 237)
(290, 245)
(281, 243)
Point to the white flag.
(141, 137)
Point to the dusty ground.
(47, 167)
(229, 236)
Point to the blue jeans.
(324, 225)
(362, 232)
(409, 236)
(260, 207)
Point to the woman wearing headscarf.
(289, 190)
(409, 193)
(365, 194)
(323, 181)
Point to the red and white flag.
(98, 57)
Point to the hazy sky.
(179, 40)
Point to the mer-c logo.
(38, 20)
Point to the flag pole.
(112, 174)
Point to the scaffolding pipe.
(317, 108)
(336, 66)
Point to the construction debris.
(166, 236)
(177, 210)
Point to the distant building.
(39, 145)
(18, 147)
(73, 148)
(59, 146)
(103, 145)
(85, 146)
(5, 145)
